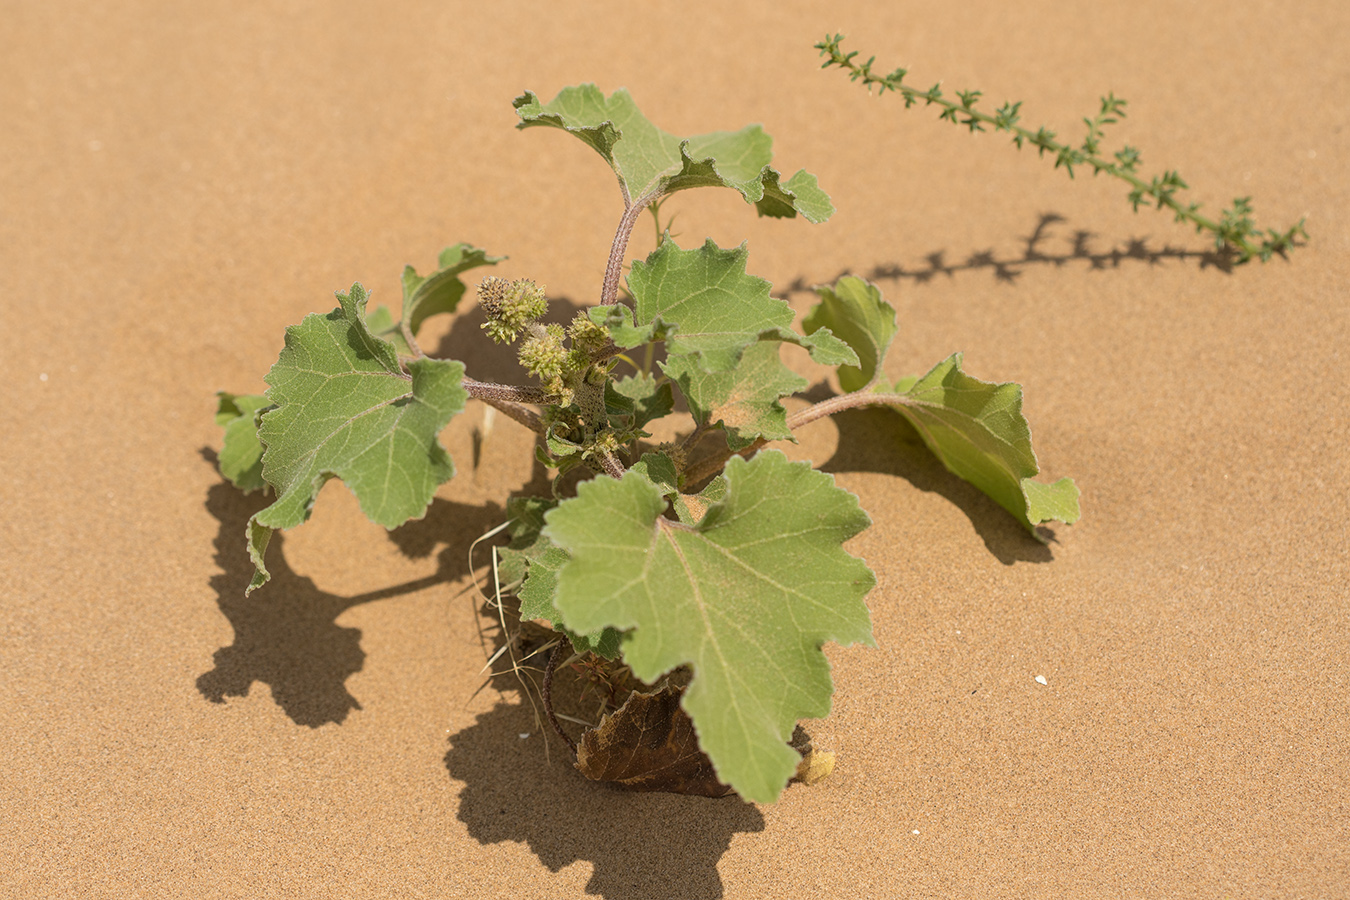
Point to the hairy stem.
(614, 268)
(832, 405)
(711, 465)
(408, 337)
(690, 442)
(564, 646)
(506, 399)
(486, 390)
(527, 417)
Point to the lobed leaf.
(853, 309)
(746, 598)
(346, 409)
(744, 400)
(702, 302)
(652, 163)
(978, 431)
(241, 451)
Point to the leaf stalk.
(614, 267)
(507, 399)
(711, 465)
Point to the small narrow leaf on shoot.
(1234, 232)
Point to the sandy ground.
(179, 182)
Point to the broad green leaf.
(703, 302)
(977, 429)
(541, 583)
(585, 112)
(651, 163)
(346, 409)
(643, 397)
(854, 311)
(744, 400)
(800, 192)
(1051, 502)
(535, 559)
(441, 291)
(241, 452)
(746, 598)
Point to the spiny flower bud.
(523, 303)
(543, 355)
(510, 306)
(586, 335)
(491, 290)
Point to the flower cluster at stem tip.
(510, 306)
(513, 309)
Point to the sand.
(1151, 705)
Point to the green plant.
(1234, 232)
(707, 572)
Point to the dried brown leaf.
(649, 744)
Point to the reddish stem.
(553, 658)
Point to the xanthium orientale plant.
(696, 580)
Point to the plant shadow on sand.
(877, 440)
(640, 845)
(1035, 252)
(286, 634)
